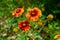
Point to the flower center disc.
(33, 14)
(17, 11)
(24, 24)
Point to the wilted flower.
(24, 25)
(11, 37)
(31, 37)
(40, 23)
(18, 12)
(4, 35)
(50, 16)
(7, 26)
(34, 14)
(57, 36)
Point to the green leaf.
(2, 38)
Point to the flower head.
(18, 12)
(34, 14)
(57, 36)
(50, 16)
(24, 25)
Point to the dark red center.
(24, 25)
(33, 13)
(18, 10)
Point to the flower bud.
(40, 23)
(50, 16)
(15, 30)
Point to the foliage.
(46, 31)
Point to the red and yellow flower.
(24, 25)
(57, 36)
(18, 12)
(34, 14)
